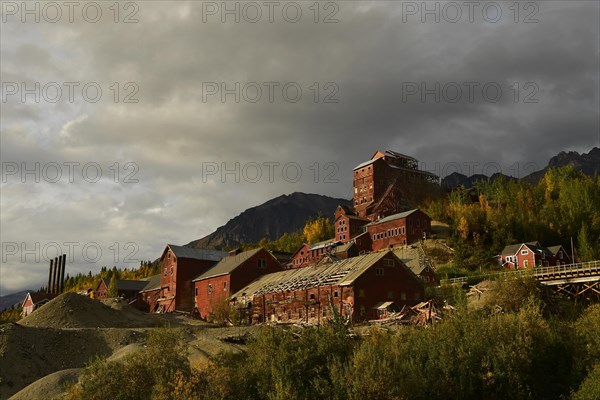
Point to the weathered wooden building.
(532, 254)
(149, 295)
(179, 265)
(347, 224)
(389, 183)
(310, 254)
(34, 300)
(127, 289)
(351, 287)
(229, 275)
(398, 229)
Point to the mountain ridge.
(588, 163)
(283, 214)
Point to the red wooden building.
(532, 254)
(230, 275)
(149, 295)
(34, 300)
(347, 225)
(179, 265)
(309, 254)
(389, 183)
(399, 229)
(354, 287)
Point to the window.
(560, 255)
(374, 238)
(335, 294)
(165, 273)
(171, 271)
(324, 312)
(312, 296)
(196, 291)
(388, 262)
(379, 271)
(209, 288)
(300, 313)
(262, 263)
(224, 286)
(524, 252)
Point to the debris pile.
(422, 314)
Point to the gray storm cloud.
(377, 67)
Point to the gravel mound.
(71, 310)
(49, 387)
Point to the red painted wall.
(176, 281)
(223, 286)
(313, 305)
(399, 232)
(101, 291)
(150, 299)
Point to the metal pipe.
(61, 287)
(57, 268)
(49, 287)
(53, 288)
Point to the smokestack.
(49, 287)
(62, 274)
(58, 269)
(55, 274)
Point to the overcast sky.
(295, 93)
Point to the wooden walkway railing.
(590, 268)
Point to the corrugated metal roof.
(325, 243)
(410, 257)
(37, 297)
(130, 284)
(396, 154)
(197, 254)
(394, 217)
(364, 164)
(343, 273)
(228, 264)
(152, 283)
(343, 247)
(555, 249)
(418, 171)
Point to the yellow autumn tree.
(316, 230)
(463, 228)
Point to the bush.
(590, 388)
(153, 373)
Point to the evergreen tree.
(112, 287)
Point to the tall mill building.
(390, 183)
(387, 188)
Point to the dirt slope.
(49, 387)
(70, 310)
